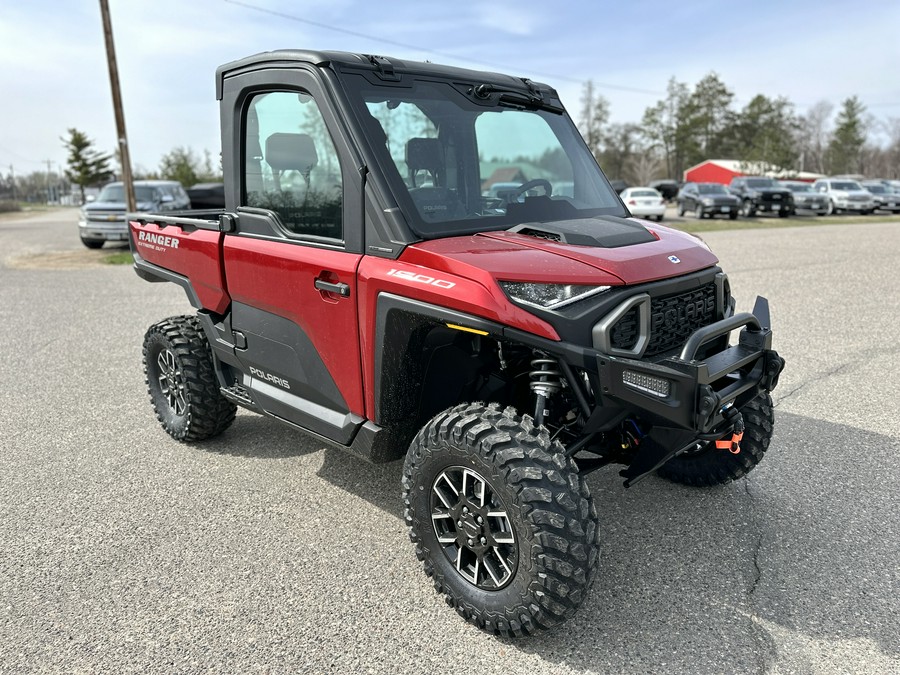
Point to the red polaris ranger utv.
(423, 261)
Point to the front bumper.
(777, 206)
(847, 205)
(116, 230)
(690, 393)
(686, 391)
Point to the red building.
(723, 170)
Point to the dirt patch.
(61, 260)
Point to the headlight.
(82, 213)
(548, 296)
(707, 201)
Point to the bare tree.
(813, 136)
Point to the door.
(290, 272)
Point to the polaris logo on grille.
(674, 259)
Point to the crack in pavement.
(818, 378)
(766, 651)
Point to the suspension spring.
(546, 379)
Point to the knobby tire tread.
(554, 500)
(208, 412)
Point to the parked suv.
(806, 198)
(885, 197)
(708, 199)
(104, 219)
(845, 195)
(762, 194)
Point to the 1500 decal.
(421, 278)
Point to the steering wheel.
(528, 185)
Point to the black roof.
(286, 58)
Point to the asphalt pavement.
(122, 550)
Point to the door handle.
(340, 289)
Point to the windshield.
(876, 189)
(761, 183)
(845, 185)
(712, 189)
(644, 193)
(460, 166)
(116, 193)
(798, 187)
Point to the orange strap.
(733, 445)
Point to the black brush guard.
(687, 399)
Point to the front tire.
(500, 518)
(708, 466)
(747, 209)
(181, 381)
(92, 243)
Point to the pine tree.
(86, 164)
(845, 149)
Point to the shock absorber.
(545, 381)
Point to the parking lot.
(261, 551)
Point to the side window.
(291, 165)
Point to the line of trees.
(87, 166)
(693, 124)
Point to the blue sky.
(53, 71)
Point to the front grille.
(672, 320)
(106, 216)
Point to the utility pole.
(117, 105)
(49, 196)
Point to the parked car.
(708, 199)
(644, 202)
(764, 195)
(885, 198)
(806, 198)
(667, 187)
(103, 219)
(618, 185)
(845, 195)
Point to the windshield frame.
(358, 89)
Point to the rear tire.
(181, 381)
(681, 209)
(500, 518)
(733, 215)
(709, 466)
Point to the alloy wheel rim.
(473, 528)
(171, 381)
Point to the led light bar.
(649, 384)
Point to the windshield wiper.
(516, 98)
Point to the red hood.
(516, 257)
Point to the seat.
(435, 202)
(291, 152)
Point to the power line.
(405, 45)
